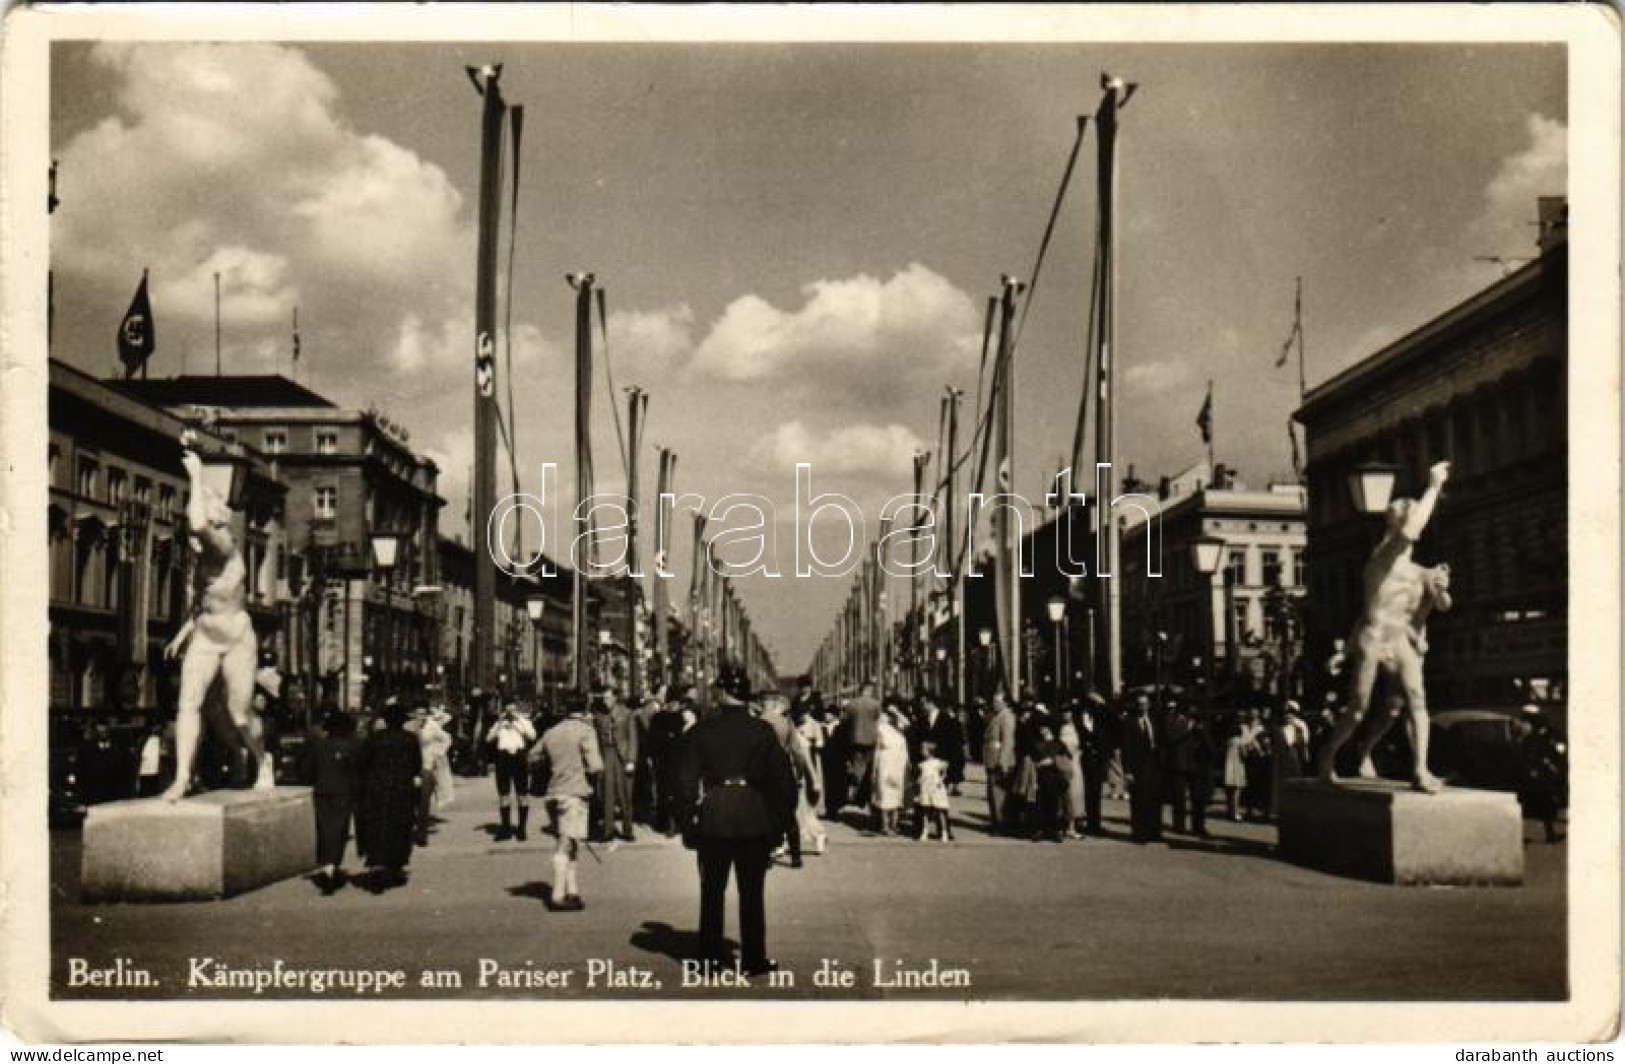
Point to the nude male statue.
(218, 637)
(1390, 638)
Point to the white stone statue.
(1390, 638)
(218, 637)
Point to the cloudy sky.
(796, 240)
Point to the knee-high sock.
(561, 875)
(570, 878)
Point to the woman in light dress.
(1074, 787)
(1235, 768)
(891, 771)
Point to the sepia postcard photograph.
(617, 524)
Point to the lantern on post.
(1371, 486)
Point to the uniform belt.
(735, 782)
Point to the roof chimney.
(1554, 222)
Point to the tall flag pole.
(916, 623)
(1295, 339)
(662, 593)
(1117, 93)
(583, 285)
(137, 338)
(637, 404)
(950, 548)
(485, 402)
(293, 369)
(1007, 583)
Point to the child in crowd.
(933, 796)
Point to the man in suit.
(999, 759)
(938, 726)
(1142, 759)
(862, 718)
(618, 746)
(1097, 739)
(739, 782)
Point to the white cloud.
(915, 321)
(651, 342)
(234, 158)
(1541, 169)
(884, 451)
(1156, 376)
(1510, 199)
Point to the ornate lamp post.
(1057, 617)
(386, 548)
(1206, 554)
(536, 609)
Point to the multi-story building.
(532, 658)
(118, 554)
(1238, 620)
(1484, 386)
(356, 494)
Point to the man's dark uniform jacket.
(749, 788)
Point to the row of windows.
(114, 485)
(275, 441)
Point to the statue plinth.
(1385, 831)
(211, 845)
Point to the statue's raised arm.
(1390, 637)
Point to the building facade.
(1239, 621)
(532, 657)
(119, 563)
(365, 625)
(1484, 385)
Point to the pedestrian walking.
(1142, 759)
(890, 771)
(804, 827)
(1290, 754)
(1069, 738)
(569, 759)
(663, 756)
(510, 736)
(741, 788)
(932, 801)
(1052, 778)
(999, 762)
(1235, 770)
(391, 770)
(1098, 739)
(335, 775)
(149, 773)
(862, 717)
(618, 745)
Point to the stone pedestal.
(208, 846)
(1383, 830)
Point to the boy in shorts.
(568, 754)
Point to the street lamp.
(1206, 554)
(385, 548)
(1371, 484)
(1057, 616)
(228, 477)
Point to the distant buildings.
(1485, 386)
(366, 621)
(1239, 619)
(118, 558)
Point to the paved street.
(1099, 919)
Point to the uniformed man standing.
(737, 780)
